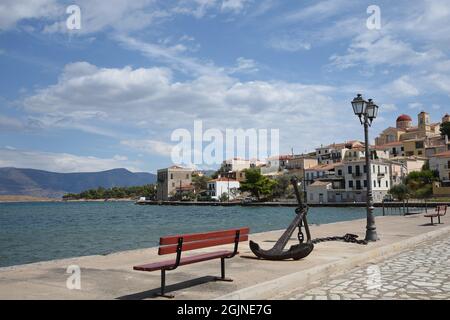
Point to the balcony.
(380, 176)
(357, 175)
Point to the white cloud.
(318, 11)
(233, 5)
(13, 11)
(244, 65)
(11, 124)
(150, 98)
(149, 146)
(415, 105)
(375, 48)
(289, 43)
(388, 107)
(171, 55)
(62, 162)
(402, 87)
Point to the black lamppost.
(367, 111)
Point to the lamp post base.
(371, 235)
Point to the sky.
(111, 93)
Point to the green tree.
(445, 129)
(283, 188)
(400, 192)
(420, 183)
(200, 182)
(223, 197)
(257, 184)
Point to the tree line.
(148, 191)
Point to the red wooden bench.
(179, 243)
(438, 213)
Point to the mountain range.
(39, 183)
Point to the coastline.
(31, 199)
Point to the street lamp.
(367, 111)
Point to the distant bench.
(185, 242)
(438, 213)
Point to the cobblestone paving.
(422, 272)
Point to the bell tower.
(424, 121)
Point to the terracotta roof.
(445, 154)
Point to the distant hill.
(39, 183)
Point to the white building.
(334, 153)
(217, 187)
(237, 164)
(441, 163)
(348, 182)
(319, 171)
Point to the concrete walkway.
(112, 277)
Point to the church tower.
(424, 121)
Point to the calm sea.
(31, 232)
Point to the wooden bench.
(438, 213)
(185, 242)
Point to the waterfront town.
(333, 173)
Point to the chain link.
(352, 238)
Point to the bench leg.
(439, 219)
(222, 272)
(432, 221)
(163, 287)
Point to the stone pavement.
(420, 273)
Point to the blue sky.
(110, 94)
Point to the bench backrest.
(441, 210)
(202, 240)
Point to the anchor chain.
(346, 238)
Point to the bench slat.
(202, 236)
(201, 244)
(184, 261)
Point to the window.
(365, 183)
(387, 185)
(374, 183)
(311, 197)
(187, 176)
(379, 183)
(171, 176)
(365, 169)
(350, 184)
(373, 169)
(402, 149)
(419, 144)
(339, 172)
(358, 184)
(350, 169)
(358, 170)
(173, 184)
